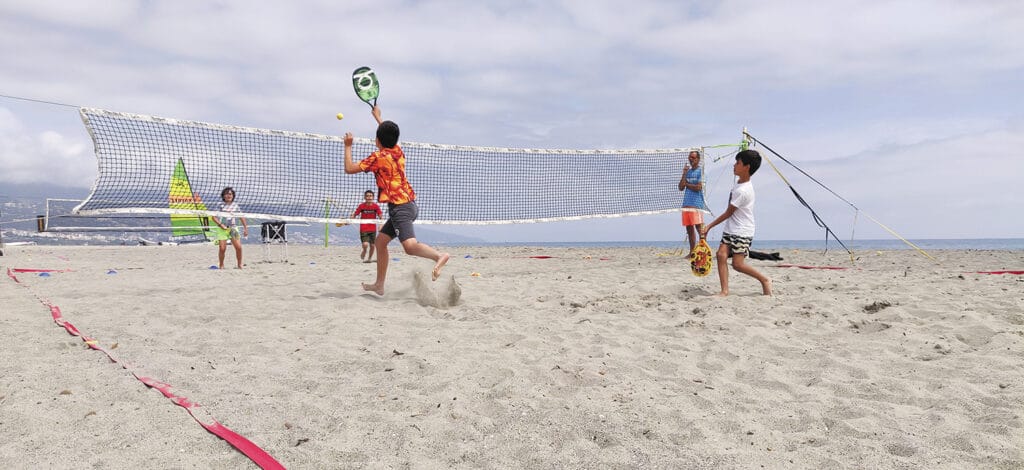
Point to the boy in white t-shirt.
(738, 233)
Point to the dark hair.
(387, 134)
(750, 158)
(368, 192)
(693, 152)
(226, 190)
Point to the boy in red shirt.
(388, 167)
(367, 232)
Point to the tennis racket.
(367, 87)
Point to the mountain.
(39, 191)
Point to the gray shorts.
(737, 245)
(400, 219)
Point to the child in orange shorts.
(693, 199)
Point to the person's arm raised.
(350, 166)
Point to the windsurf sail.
(186, 226)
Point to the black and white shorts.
(737, 245)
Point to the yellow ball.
(341, 116)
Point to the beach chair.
(274, 233)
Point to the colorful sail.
(182, 197)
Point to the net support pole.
(327, 228)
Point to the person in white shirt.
(738, 232)
(228, 230)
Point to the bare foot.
(724, 293)
(368, 260)
(441, 261)
(766, 287)
(379, 290)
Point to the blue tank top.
(693, 198)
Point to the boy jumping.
(388, 167)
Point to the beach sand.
(592, 358)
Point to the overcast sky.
(911, 110)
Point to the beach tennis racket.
(367, 87)
(701, 262)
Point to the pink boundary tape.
(21, 270)
(253, 451)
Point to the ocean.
(1004, 244)
(437, 238)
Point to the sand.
(593, 358)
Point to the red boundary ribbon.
(998, 272)
(247, 447)
(22, 270)
(554, 257)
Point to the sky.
(912, 111)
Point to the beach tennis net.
(150, 164)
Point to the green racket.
(367, 87)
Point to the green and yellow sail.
(182, 197)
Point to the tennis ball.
(341, 116)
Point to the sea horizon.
(1011, 244)
(1001, 244)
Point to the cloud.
(872, 43)
(30, 156)
(952, 186)
(87, 14)
(837, 86)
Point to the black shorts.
(367, 237)
(400, 219)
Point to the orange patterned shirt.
(388, 166)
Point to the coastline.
(552, 357)
(442, 239)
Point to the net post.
(327, 215)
